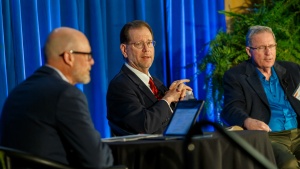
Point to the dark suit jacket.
(133, 107)
(244, 95)
(47, 116)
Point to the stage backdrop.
(181, 29)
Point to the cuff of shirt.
(168, 104)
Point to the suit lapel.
(139, 83)
(160, 86)
(254, 82)
(284, 79)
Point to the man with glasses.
(136, 101)
(47, 115)
(261, 94)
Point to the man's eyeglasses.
(264, 48)
(140, 45)
(89, 54)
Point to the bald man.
(48, 116)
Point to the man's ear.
(248, 51)
(68, 58)
(123, 50)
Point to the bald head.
(63, 39)
(68, 50)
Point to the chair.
(15, 159)
(117, 131)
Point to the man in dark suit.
(47, 115)
(131, 104)
(260, 94)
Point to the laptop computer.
(183, 118)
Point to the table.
(213, 152)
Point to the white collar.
(59, 72)
(145, 78)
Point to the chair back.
(15, 159)
(118, 131)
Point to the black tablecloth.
(212, 152)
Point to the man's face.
(140, 59)
(263, 50)
(82, 66)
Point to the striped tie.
(154, 88)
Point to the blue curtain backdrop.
(181, 29)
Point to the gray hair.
(255, 30)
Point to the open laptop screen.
(184, 116)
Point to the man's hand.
(177, 91)
(254, 124)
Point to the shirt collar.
(145, 78)
(59, 72)
(273, 74)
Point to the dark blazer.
(132, 106)
(49, 117)
(244, 95)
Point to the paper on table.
(297, 93)
(130, 137)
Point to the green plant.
(228, 48)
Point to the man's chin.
(86, 81)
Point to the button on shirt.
(283, 116)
